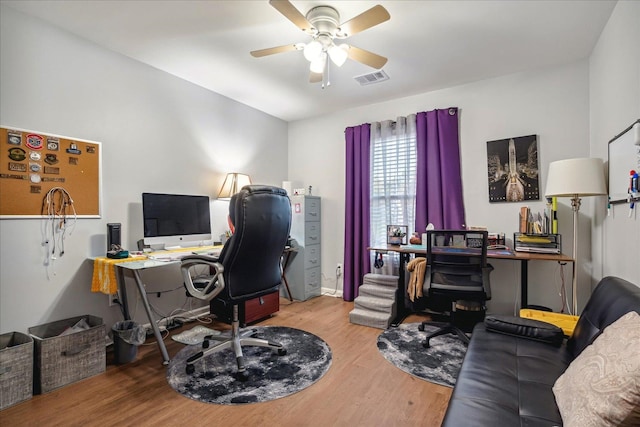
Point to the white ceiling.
(430, 44)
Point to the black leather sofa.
(507, 380)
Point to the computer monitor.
(175, 220)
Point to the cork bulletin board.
(32, 163)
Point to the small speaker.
(113, 235)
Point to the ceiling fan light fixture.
(324, 25)
(312, 50)
(318, 64)
(338, 54)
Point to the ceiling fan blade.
(367, 19)
(368, 58)
(292, 14)
(315, 77)
(273, 50)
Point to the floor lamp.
(575, 178)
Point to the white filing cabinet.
(303, 272)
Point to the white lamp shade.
(576, 177)
(338, 54)
(318, 64)
(232, 184)
(312, 50)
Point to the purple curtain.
(357, 204)
(439, 181)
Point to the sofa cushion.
(527, 328)
(601, 387)
(612, 298)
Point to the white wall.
(158, 134)
(552, 103)
(54, 82)
(614, 69)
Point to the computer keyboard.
(177, 256)
(214, 253)
(169, 256)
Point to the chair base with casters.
(460, 324)
(234, 341)
(444, 329)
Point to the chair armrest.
(209, 286)
(534, 330)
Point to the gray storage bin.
(16, 368)
(61, 360)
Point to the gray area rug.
(271, 376)
(439, 364)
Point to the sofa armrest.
(534, 330)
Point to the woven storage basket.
(62, 360)
(16, 368)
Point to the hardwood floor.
(360, 389)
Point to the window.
(393, 176)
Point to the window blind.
(393, 183)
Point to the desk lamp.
(575, 178)
(232, 184)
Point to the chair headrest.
(257, 189)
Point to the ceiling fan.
(322, 23)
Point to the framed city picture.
(512, 166)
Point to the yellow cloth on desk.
(417, 267)
(104, 275)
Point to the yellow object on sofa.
(566, 322)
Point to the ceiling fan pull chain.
(326, 82)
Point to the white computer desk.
(153, 260)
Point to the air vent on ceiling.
(375, 77)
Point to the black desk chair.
(248, 266)
(457, 274)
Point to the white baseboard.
(330, 292)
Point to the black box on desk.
(537, 243)
(16, 368)
(60, 360)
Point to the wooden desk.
(405, 253)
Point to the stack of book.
(540, 223)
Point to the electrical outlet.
(338, 270)
(114, 299)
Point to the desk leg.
(400, 291)
(154, 325)
(122, 286)
(524, 286)
(285, 263)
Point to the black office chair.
(457, 274)
(248, 266)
